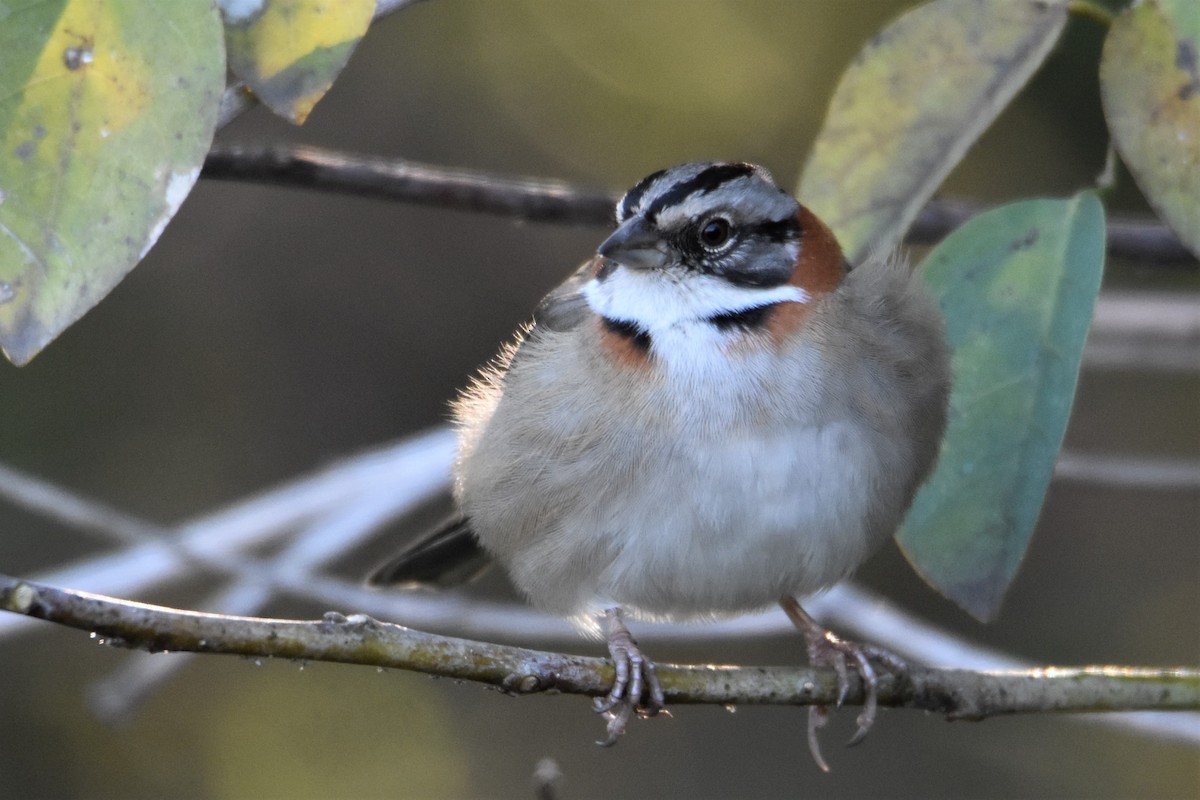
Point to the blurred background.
(271, 331)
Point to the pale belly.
(702, 532)
(710, 489)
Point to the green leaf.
(1150, 85)
(1017, 286)
(106, 112)
(911, 104)
(290, 51)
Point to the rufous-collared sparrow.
(714, 414)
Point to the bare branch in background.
(1163, 474)
(407, 181)
(66, 507)
(362, 640)
(1137, 239)
(310, 512)
(1145, 330)
(405, 474)
(330, 536)
(542, 200)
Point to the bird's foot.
(635, 688)
(827, 650)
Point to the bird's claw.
(635, 689)
(818, 716)
(827, 650)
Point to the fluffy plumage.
(727, 473)
(684, 444)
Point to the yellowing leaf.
(1150, 85)
(290, 51)
(106, 113)
(916, 97)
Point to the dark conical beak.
(635, 245)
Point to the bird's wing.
(565, 307)
(446, 556)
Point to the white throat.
(676, 311)
(657, 300)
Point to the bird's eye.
(714, 233)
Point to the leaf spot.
(1026, 241)
(76, 57)
(1185, 59)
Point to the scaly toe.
(653, 701)
(636, 688)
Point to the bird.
(713, 414)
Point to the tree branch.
(404, 474)
(1137, 239)
(532, 199)
(307, 167)
(323, 515)
(361, 640)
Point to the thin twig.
(116, 698)
(542, 200)
(1145, 331)
(1156, 474)
(361, 640)
(1143, 240)
(874, 619)
(407, 181)
(70, 508)
(406, 472)
(258, 582)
